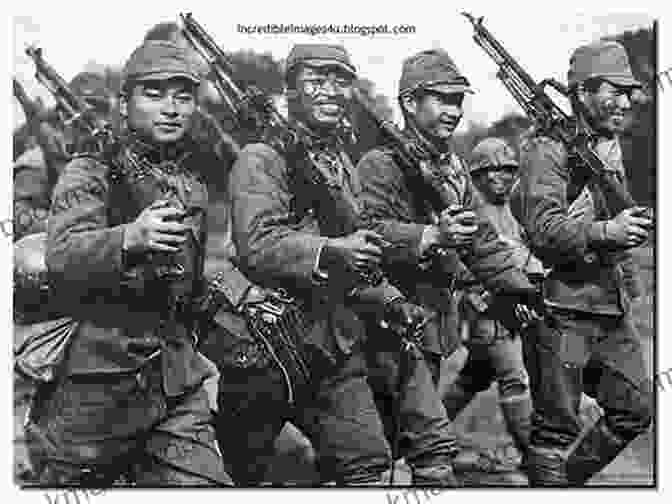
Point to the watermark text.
(324, 29)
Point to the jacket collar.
(435, 154)
(314, 140)
(158, 154)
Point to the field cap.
(432, 70)
(319, 55)
(604, 59)
(90, 85)
(159, 60)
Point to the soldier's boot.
(593, 451)
(517, 412)
(455, 399)
(434, 476)
(546, 466)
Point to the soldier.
(228, 285)
(207, 128)
(289, 232)
(594, 347)
(431, 94)
(495, 354)
(125, 253)
(36, 170)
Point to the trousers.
(426, 435)
(599, 355)
(95, 430)
(337, 413)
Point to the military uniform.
(392, 202)
(340, 419)
(594, 346)
(280, 227)
(129, 395)
(494, 353)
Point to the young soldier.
(125, 252)
(595, 348)
(286, 236)
(431, 94)
(494, 353)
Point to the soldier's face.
(609, 108)
(323, 94)
(495, 183)
(437, 114)
(160, 111)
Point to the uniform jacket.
(396, 211)
(511, 231)
(562, 216)
(126, 315)
(279, 233)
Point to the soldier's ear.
(123, 105)
(409, 103)
(581, 94)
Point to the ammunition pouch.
(270, 334)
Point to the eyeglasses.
(507, 169)
(313, 84)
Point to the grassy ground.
(481, 422)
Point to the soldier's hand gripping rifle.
(415, 160)
(551, 120)
(95, 135)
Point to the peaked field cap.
(492, 152)
(432, 69)
(605, 59)
(159, 60)
(318, 55)
(90, 85)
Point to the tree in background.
(263, 71)
(367, 134)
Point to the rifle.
(254, 109)
(250, 106)
(34, 111)
(415, 160)
(97, 134)
(552, 121)
(414, 157)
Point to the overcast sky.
(542, 44)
